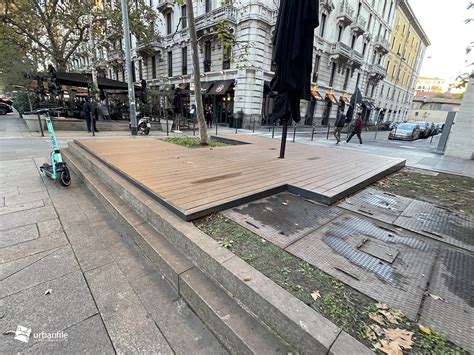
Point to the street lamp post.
(128, 63)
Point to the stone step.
(304, 329)
(237, 330)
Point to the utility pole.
(128, 63)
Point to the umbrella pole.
(283, 139)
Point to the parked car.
(432, 128)
(392, 125)
(439, 128)
(405, 131)
(425, 129)
(5, 105)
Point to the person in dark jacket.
(88, 109)
(339, 125)
(356, 130)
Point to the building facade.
(351, 46)
(408, 44)
(432, 109)
(436, 85)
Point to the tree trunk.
(197, 74)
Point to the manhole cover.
(349, 248)
(378, 250)
(449, 226)
(282, 218)
(380, 205)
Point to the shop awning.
(83, 79)
(315, 93)
(205, 86)
(221, 87)
(331, 98)
(344, 99)
(183, 86)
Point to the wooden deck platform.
(196, 182)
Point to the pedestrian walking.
(209, 117)
(88, 110)
(356, 130)
(339, 125)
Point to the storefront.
(330, 100)
(315, 97)
(219, 98)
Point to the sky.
(443, 23)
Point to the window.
(358, 79)
(372, 92)
(316, 68)
(322, 25)
(333, 74)
(140, 70)
(339, 34)
(207, 57)
(367, 89)
(169, 25)
(416, 114)
(364, 48)
(208, 5)
(153, 67)
(384, 7)
(381, 90)
(393, 42)
(184, 60)
(226, 58)
(393, 71)
(346, 79)
(358, 8)
(390, 11)
(134, 78)
(388, 66)
(369, 23)
(170, 63)
(380, 30)
(388, 93)
(184, 18)
(353, 41)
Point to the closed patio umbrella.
(293, 54)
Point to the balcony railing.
(224, 13)
(382, 44)
(359, 25)
(378, 71)
(341, 51)
(345, 14)
(147, 47)
(357, 59)
(115, 55)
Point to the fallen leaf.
(284, 204)
(381, 306)
(48, 291)
(377, 329)
(389, 348)
(315, 295)
(424, 329)
(247, 278)
(370, 334)
(435, 297)
(377, 318)
(389, 316)
(400, 336)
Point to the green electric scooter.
(58, 169)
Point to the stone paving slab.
(54, 265)
(8, 269)
(18, 219)
(88, 336)
(453, 315)
(18, 235)
(126, 319)
(180, 325)
(25, 197)
(9, 208)
(69, 303)
(31, 247)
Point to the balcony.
(327, 5)
(165, 5)
(149, 47)
(225, 13)
(357, 59)
(382, 45)
(115, 56)
(345, 14)
(377, 71)
(359, 25)
(341, 52)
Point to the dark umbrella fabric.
(293, 54)
(356, 97)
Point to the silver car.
(405, 131)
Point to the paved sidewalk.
(68, 270)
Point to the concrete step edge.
(306, 330)
(232, 329)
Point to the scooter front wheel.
(65, 177)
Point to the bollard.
(40, 126)
(194, 128)
(312, 134)
(431, 140)
(253, 127)
(376, 130)
(167, 129)
(216, 128)
(329, 127)
(93, 124)
(294, 132)
(235, 129)
(273, 131)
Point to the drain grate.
(282, 218)
(453, 314)
(380, 205)
(356, 251)
(451, 227)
